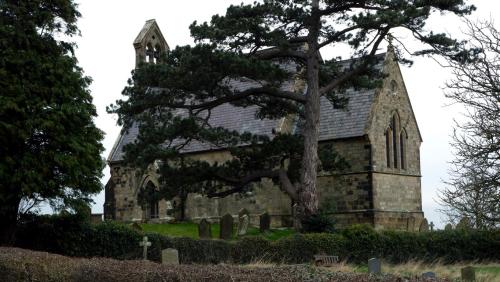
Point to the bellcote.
(149, 44)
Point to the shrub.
(251, 249)
(202, 251)
(69, 235)
(318, 223)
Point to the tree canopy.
(171, 101)
(49, 146)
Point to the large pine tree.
(49, 146)
(249, 42)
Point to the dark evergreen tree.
(250, 42)
(49, 146)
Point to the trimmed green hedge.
(69, 235)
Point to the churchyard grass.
(190, 230)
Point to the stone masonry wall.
(396, 188)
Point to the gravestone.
(264, 222)
(204, 229)
(468, 274)
(226, 227)
(448, 227)
(374, 266)
(424, 226)
(170, 256)
(243, 224)
(429, 275)
(243, 212)
(145, 244)
(431, 225)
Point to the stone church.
(376, 133)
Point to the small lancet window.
(388, 138)
(402, 143)
(395, 127)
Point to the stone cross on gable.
(432, 226)
(145, 244)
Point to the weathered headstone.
(204, 229)
(468, 274)
(226, 227)
(448, 227)
(145, 244)
(264, 222)
(424, 226)
(242, 212)
(170, 256)
(374, 266)
(243, 224)
(429, 275)
(431, 225)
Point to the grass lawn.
(188, 229)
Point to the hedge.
(68, 235)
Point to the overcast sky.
(106, 54)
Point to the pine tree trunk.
(307, 195)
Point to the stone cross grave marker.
(424, 226)
(265, 222)
(468, 274)
(204, 229)
(226, 227)
(243, 224)
(170, 256)
(145, 244)
(374, 266)
(429, 275)
(431, 225)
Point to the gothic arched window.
(388, 138)
(395, 141)
(402, 144)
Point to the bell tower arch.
(149, 44)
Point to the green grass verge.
(489, 269)
(189, 229)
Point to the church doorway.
(150, 202)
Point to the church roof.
(335, 123)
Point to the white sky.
(106, 54)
